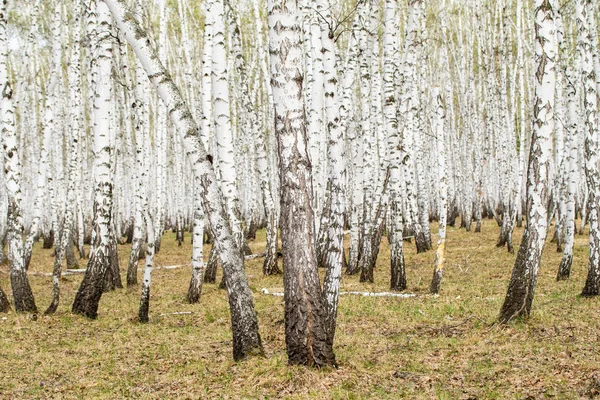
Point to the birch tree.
(521, 288)
(586, 42)
(305, 329)
(22, 294)
(91, 288)
(443, 189)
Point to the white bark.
(438, 129)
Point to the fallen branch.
(253, 256)
(379, 294)
(66, 273)
(276, 294)
(364, 294)
(177, 313)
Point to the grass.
(442, 346)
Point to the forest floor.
(444, 346)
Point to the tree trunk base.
(144, 305)
(4, 303)
(22, 294)
(564, 270)
(421, 243)
(210, 276)
(436, 282)
(195, 289)
(91, 289)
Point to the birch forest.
(299, 199)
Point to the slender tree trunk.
(333, 254)
(145, 298)
(22, 294)
(142, 139)
(585, 43)
(564, 269)
(519, 296)
(443, 189)
(195, 289)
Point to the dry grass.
(442, 346)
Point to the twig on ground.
(364, 294)
(177, 313)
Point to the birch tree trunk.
(409, 108)
(334, 250)
(246, 339)
(224, 131)
(586, 37)
(519, 296)
(91, 288)
(438, 128)
(564, 269)
(145, 298)
(254, 127)
(142, 138)
(390, 110)
(195, 288)
(22, 294)
(305, 313)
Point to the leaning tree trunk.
(519, 296)
(246, 339)
(22, 294)
(305, 330)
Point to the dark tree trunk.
(91, 288)
(49, 240)
(564, 269)
(251, 229)
(398, 270)
(421, 243)
(22, 294)
(129, 234)
(4, 303)
(70, 255)
(211, 266)
(112, 278)
(144, 304)
(519, 296)
(195, 288)
(270, 266)
(179, 236)
(134, 257)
